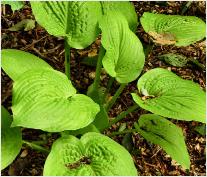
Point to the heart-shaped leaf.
(161, 131)
(45, 99)
(126, 8)
(93, 155)
(164, 93)
(78, 21)
(173, 29)
(16, 62)
(124, 58)
(11, 139)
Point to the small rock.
(24, 153)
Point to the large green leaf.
(173, 29)
(45, 99)
(126, 8)
(124, 58)
(93, 155)
(16, 62)
(78, 21)
(161, 131)
(164, 93)
(11, 139)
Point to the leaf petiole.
(123, 114)
(123, 132)
(98, 68)
(114, 98)
(109, 85)
(36, 147)
(67, 58)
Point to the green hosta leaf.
(45, 99)
(93, 155)
(11, 139)
(126, 8)
(16, 62)
(124, 58)
(174, 59)
(78, 21)
(173, 29)
(15, 5)
(164, 93)
(161, 131)
(26, 24)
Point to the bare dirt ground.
(149, 159)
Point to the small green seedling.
(44, 98)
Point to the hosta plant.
(44, 98)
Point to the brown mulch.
(149, 159)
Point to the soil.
(149, 159)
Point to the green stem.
(136, 126)
(187, 5)
(99, 67)
(109, 85)
(196, 62)
(123, 114)
(114, 98)
(123, 132)
(67, 58)
(36, 147)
